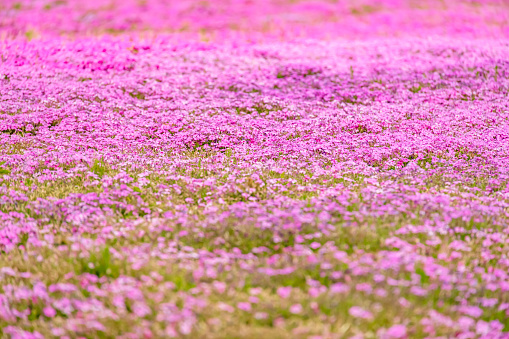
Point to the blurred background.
(253, 19)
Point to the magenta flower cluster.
(246, 169)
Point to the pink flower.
(253, 300)
(472, 311)
(359, 312)
(296, 308)
(255, 291)
(403, 302)
(186, 326)
(419, 291)
(219, 286)
(225, 307)
(340, 255)
(482, 327)
(314, 245)
(339, 288)
(118, 302)
(261, 315)
(315, 292)
(58, 331)
(170, 331)
(396, 332)
(141, 309)
(364, 287)
(284, 292)
(244, 306)
(465, 322)
(49, 311)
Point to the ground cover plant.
(247, 169)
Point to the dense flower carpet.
(254, 169)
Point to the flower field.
(254, 169)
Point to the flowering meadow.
(254, 169)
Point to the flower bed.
(243, 182)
